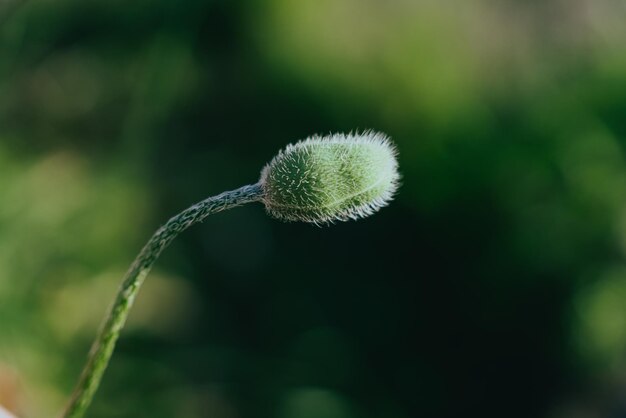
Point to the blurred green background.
(494, 286)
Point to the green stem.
(104, 343)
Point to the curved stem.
(104, 343)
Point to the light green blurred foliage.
(391, 54)
(440, 61)
(315, 403)
(70, 221)
(62, 224)
(67, 232)
(601, 321)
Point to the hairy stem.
(104, 343)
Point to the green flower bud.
(331, 178)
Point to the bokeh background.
(494, 286)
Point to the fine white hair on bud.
(338, 177)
